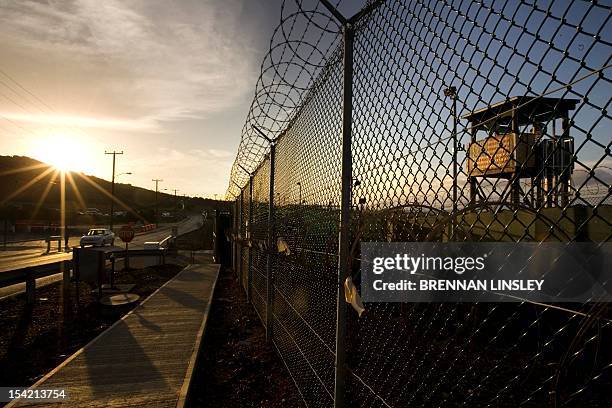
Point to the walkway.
(146, 358)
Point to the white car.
(98, 237)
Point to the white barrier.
(151, 260)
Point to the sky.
(167, 83)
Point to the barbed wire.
(298, 51)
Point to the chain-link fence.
(427, 121)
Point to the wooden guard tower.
(522, 142)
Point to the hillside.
(43, 191)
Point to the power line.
(22, 107)
(27, 91)
(36, 98)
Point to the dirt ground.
(236, 367)
(35, 340)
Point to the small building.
(523, 141)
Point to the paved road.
(34, 252)
(31, 254)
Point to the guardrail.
(29, 274)
(127, 255)
(166, 242)
(120, 254)
(25, 240)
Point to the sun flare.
(63, 152)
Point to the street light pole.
(64, 232)
(62, 222)
(112, 209)
(157, 181)
(129, 173)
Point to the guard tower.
(522, 142)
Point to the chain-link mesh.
(261, 202)
(245, 234)
(299, 49)
(307, 173)
(471, 121)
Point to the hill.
(30, 189)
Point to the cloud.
(197, 172)
(82, 121)
(173, 60)
(167, 82)
(213, 154)
(181, 159)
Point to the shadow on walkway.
(119, 364)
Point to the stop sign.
(126, 233)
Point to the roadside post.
(112, 274)
(30, 289)
(66, 280)
(126, 233)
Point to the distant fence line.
(426, 121)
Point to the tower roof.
(529, 110)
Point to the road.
(34, 253)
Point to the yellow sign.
(501, 155)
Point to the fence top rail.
(10, 277)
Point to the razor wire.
(299, 48)
(472, 121)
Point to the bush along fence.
(426, 121)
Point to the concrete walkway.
(146, 358)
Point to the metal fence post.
(345, 213)
(234, 218)
(271, 249)
(344, 263)
(240, 241)
(235, 235)
(250, 235)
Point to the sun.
(64, 152)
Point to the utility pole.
(112, 209)
(157, 181)
(175, 202)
